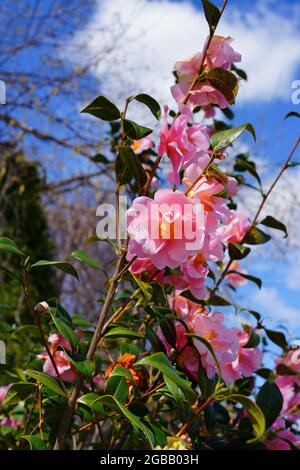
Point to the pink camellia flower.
(234, 278)
(141, 145)
(279, 435)
(289, 384)
(220, 54)
(64, 366)
(194, 274)
(166, 230)
(10, 423)
(235, 229)
(144, 265)
(247, 361)
(3, 391)
(183, 143)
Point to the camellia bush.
(163, 368)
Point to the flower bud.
(42, 307)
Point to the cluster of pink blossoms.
(185, 230)
(229, 344)
(8, 421)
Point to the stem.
(42, 334)
(191, 419)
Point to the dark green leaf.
(35, 442)
(222, 139)
(64, 329)
(270, 221)
(292, 114)
(18, 392)
(255, 413)
(216, 300)
(210, 349)
(162, 363)
(129, 167)
(8, 245)
(166, 323)
(99, 158)
(103, 109)
(122, 332)
(225, 81)
(212, 14)
(62, 265)
(241, 73)
(293, 164)
(85, 366)
(270, 401)
(237, 251)
(135, 131)
(277, 338)
(44, 379)
(242, 163)
(256, 237)
(253, 279)
(150, 102)
(86, 259)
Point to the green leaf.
(62, 265)
(18, 392)
(117, 332)
(47, 380)
(270, 401)
(64, 329)
(253, 279)
(277, 338)
(212, 14)
(174, 389)
(271, 222)
(115, 405)
(237, 251)
(242, 163)
(117, 385)
(292, 114)
(35, 442)
(228, 113)
(256, 237)
(103, 109)
(86, 259)
(135, 131)
(255, 413)
(8, 245)
(146, 290)
(222, 139)
(99, 158)
(85, 366)
(166, 323)
(241, 73)
(293, 164)
(210, 349)
(162, 363)
(217, 301)
(129, 167)
(150, 102)
(225, 81)
(254, 339)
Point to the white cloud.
(274, 309)
(138, 42)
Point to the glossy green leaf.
(270, 401)
(256, 237)
(255, 413)
(117, 332)
(292, 114)
(224, 81)
(18, 392)
(150, 102)
(237, 251)
(62, 265)
(99, 158)
(210, 349)
(64, 329)
(86, 259)
(47, 380)
(250, 278)
(222, 139)
(8, 245)
(129, 167)
(162, 363)
(35, 442)
(146, 290)
(135, 131)
(271, 222)
(217, 301)
(212, 14)
(242, 163)
(278, 338)
(103, 109)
